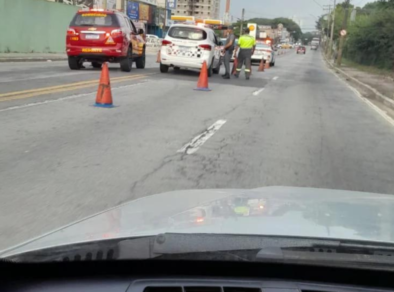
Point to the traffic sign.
(343, 32)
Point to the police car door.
(216, 50)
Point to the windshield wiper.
(274, 249)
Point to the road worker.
(246, 45)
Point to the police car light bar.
(182, 18)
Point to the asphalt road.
(62, 159)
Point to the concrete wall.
(34, 25)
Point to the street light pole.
(242, 21)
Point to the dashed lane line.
(257, 92)
(200, 139)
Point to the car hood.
(274, 211)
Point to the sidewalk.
(374, 84)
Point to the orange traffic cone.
(267, 65)
(158, 60)
(202, 84)
(261, 66)
(104, 94)
(235, 65)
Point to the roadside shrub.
(371, 39)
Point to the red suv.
(99, 35)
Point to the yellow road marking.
(63, 89)
(94, 81)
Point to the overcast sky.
(305, 10)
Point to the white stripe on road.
(276, 77)
(257, 92)
(199, 140)
(64, 98)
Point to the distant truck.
(315, 43)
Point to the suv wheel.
(140, 63)
(163, 68)
(127, 62)
(96, 65)
(74, 63)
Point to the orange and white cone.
(202, 84)
(104, 94)
(158, 60)
(235, 65)
(261, 66)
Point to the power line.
(318, 3)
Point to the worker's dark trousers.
(244, 56)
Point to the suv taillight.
(116, 33)
(71, 32)
(206, 47)
(166, 43)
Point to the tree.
(307, 37)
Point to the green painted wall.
(34, 25)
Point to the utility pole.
(327, 7)
(227, 13)
(332, 31)
(242, 22)
(342, 39)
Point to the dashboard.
(188, 276)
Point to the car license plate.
(91, 50)
(92, 36)
(184, 48)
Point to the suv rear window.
(95, 19)
(187, 33)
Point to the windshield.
(263, 46)
(126, 119)
(187, 33)
(94, 19)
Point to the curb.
(31, 60)
(384, 99)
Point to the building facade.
(206, 9)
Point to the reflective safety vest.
(246, 42)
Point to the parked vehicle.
(188, 46)
(301, 50)
(265, 52)
(99, 35)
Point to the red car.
(99, 35)
(301, 50)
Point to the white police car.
(188, 45)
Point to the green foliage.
(371, 38)
(307, 37)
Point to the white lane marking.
(382, 113)
(257, 92)
(199, 140)
(276, 77)
(64, 98)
